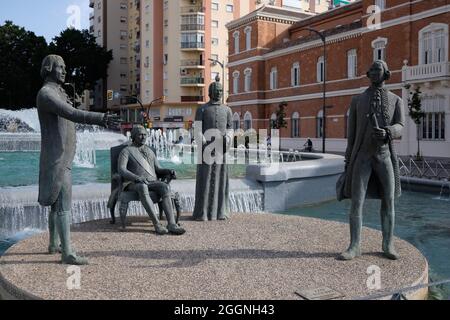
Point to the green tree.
(21, 54)
(86, 61)
(416, 113)
(280, 122)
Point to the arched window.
(236, 75)
(295, 125)
(236, 41)
(320, 69)
(319, 124)
(273, 78)
(247, 121)
(248, 37)
(379, 48)
(247, 79)
(295, 74)
(236, 121)
(433, 43)
(273, 121)
(381, 4)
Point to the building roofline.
(283, 15)
(326, 15)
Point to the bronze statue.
(139, 169)
(57, 117)
(212, 186)
(376, 118)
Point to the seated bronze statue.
(139, 169)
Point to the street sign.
(110, 95)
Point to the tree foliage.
(21, 54)
(86, 62)
(280, 122)
(416, 113)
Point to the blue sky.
(44, 17)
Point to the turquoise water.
(22, 169)
(422, 219)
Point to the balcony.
(192, 64)
(193, 46)
(427, 72)
(193, 9)
(192, 82)
(192, 98)
(192, 27)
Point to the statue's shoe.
(391, 254)
(54, 250)
(161, 230)
(176, 229)
(350, 254)
(74, 260)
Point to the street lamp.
(324, 107)
(143, 109)
(222, 65)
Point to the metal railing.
(425, 168)
(192, 27)
(192, 45)
(194, 80)
(190, 63)
(192, 9)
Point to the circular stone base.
(250, 256)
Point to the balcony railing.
(192, 63)
(192, 9)
(192, 27)
(192, 80)
(426, 71)
(192, 98)
(192, 45)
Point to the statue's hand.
(111, 121)
(380, 133)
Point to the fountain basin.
(294, 184)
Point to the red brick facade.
(280, 44)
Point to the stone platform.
(251, 256)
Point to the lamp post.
(222, 65)
(324, 107)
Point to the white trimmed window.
(379, 49)
(236, 75)
(352, 63)
(433, 124)
(381, 4)
(295, 125)
(236, 41)
(295, 74)
(248, 38)
(433, 43)
(273, 78)
(247, 121)
(319, 124)
(320, 69)
(236, 121)
(247, 79)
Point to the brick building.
(274, 60)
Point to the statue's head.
(138, 135)
(53, 68)
(215, 91)
(379, 72)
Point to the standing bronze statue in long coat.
(376, 118)
(57, 117)
(212, 187)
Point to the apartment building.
(170, 49)
(412, 36)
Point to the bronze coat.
(357, 124)
(57, 117)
